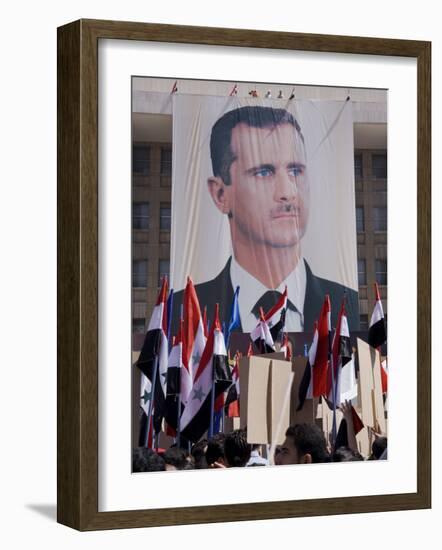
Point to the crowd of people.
(303, 444)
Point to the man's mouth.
(285, 211)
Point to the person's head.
(199, 454)
(304, 444)
(345, 454)
(259, 176)
(178, 459)
(378, 447)
(236, 449)
(215, 449)
(146, 460)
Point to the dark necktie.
(268, 300)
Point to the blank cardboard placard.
(254, 373)
(309, 410)
(279, 406)
(377, 393)
(366, 383)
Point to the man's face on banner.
(268, 197)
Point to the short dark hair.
(146, 460)
(236, 449)
(215, 448)
(180, 458)
(199, 454)
(309, 439)
(378, 447)
(345, 454)
(254, 116)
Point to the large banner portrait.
(263, 199)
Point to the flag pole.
(178, 421)
(154, 379)
(330, 354)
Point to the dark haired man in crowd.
(304, 444)
(260, 182)
(178, 459)
(236, 449)
(146, 460)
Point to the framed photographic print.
(228, 203)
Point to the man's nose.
(285, 187)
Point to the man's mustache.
(286, 208)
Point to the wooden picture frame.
(77, 385)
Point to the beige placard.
(254, 374)
(378, 400)
(309, 411)
(279, 402)
(363, 441)
(366, 359)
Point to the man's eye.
(296, 171)
(263, 173)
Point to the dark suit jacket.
(220, 290)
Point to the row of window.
(380, 271)
(379, 219)
(378, 166)
(141, 215)
(139, 272)
(141, 160)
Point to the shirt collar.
(251, 289)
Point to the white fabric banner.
(290, 196)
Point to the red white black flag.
(232, 399)
(320, 365)
(194, 340)
(153, 356)
(174, 369)
(377, 334)
(213, 372)
(275, 317)
(261, 335)
(306, 386)
(341, 354)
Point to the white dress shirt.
(251, 290)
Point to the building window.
(165, 212)
(141, 160)
(362, 272)
(139, 273)
(358, 166)
(163, 270)
(379, 166)
(360, 223)
(138, 326)
(380, 218)
(140, 215)
(166, 161)
(381, 272)
(363, 321)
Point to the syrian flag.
(145, 397)
(377, 334)
(320, 365)
(174, 369)
(194, 339)
(232, 399)
(153, 356)
(285, 348)
(341, 354)
(306, 384)
(213, 372)
(275, 317)
(261, 335)
(348, 383)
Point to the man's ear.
(306, 459)
(219, 193)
